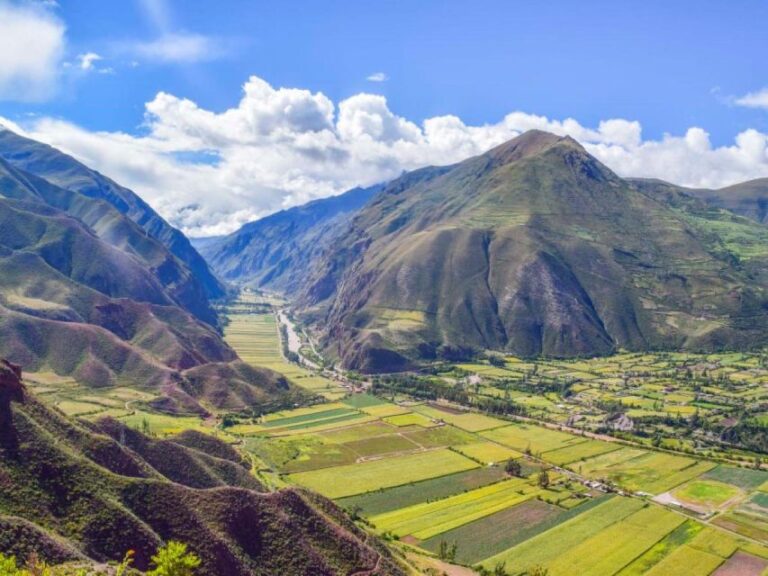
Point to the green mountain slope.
(748, 199)
(102, 489)
(534, 248)
(64, 171)
(85, 292)
(276, 251)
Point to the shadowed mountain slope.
(275, 252)
(85, 292)
(65, 172)
(102, 489)
(534, 247)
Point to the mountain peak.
(530, 143)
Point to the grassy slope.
(748, 199)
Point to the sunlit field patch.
(354, 479)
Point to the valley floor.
(433, 476)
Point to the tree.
(355, 512)
(514, 468)
(174, 560)
(443, 551)
(500, 569)
(447, 551)
(537, 571)
(496, 360)
(543, 479)
(228, 421)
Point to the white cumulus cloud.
(209, 172)
(377, 77)
(31, 52)
(757, 99)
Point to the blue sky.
(669, 66)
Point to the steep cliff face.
(11, 390)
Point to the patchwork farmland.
(434, 478)
(421, 478)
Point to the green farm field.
(644, 471)
(709, 494)
(488, 452)
(532, 439)
(491, 535)
(425, 520)
(386, 500)
(611, 549)
(376, 474)
(552, 544)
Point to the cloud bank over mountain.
(208, 172)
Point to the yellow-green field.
(256, 339)
(488, 452)
(425, 520)
(532, 439)
(377, 474)
(470, 421)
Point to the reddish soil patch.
(742, 564)
(433, 566)
(412, 540)
(446, 409)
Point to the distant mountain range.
(532, 248)
(87, 291)
(275, 252)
